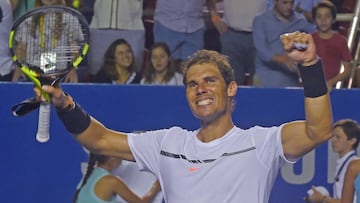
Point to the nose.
(201, 89)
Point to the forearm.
(149, 196)
(318, 111)
(344, 75)
(89, 132)
(328, 199)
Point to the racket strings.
(56, 42)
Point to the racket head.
(48, 42)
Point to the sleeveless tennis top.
(87, 193)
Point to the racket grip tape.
(43, 134)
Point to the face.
(340, 143)
(324, 19)
(207, 93)
(159, 59)
(284, 8)
(123, 56)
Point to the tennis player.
(219, 162)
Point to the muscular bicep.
(295, 139)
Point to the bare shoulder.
(112, 180)
(109, 181)
(354, 166)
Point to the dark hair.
(351, 129)
(325, 4)
(94, 160)
(109, 66)
(209, 56)
(149, 71)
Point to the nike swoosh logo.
(192, 169)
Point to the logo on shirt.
(193, 169)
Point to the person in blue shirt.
(273, 67)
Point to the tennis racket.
(47, 43)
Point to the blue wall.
(41, 173)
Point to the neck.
(123, 74)
(326, 34)
(160, 76)
(216, 129)
(281, 17)
(342, 154)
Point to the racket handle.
(43, 134)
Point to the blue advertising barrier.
(35, 172)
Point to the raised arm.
(86, 130)
(300, 137)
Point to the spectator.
(303, 7)
(273, 67)
(118, 65)
(345, 139)
(236, 35)
(114, 19)
(161, 70)
(99, 185)
(6, 19)
(330, 45)
(180, 24)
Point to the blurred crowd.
(148, 41)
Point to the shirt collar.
(342, 159)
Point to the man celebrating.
(219, 162)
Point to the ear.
(232, 89)
(353, 140)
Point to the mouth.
(204, 102)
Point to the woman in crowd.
(161, 70)
(118, 65)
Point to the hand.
(219, 24)
(305, 57)
(316, 197)
(58, 98)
